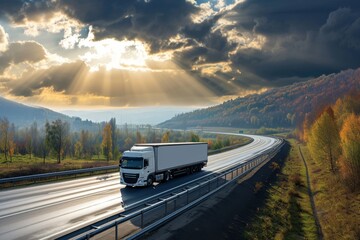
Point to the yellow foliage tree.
(324, 139)
(350, 144)
(166, 137)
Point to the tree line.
(55, 140)
(333, 137)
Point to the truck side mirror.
(146, 163)
(120, 162)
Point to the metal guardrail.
(156, 214)
(35, 177)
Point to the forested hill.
(23, 116)
(278, 107)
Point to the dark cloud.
(152, 21)
(342, 27)
(304, 39)
(301, 39)
(18, 11)
(19, 52)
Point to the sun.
(114, 54)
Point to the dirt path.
(311, 195)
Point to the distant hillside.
(278, 107)
(23, 116)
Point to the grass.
(287, 212)
(22, 165)
(338, 208)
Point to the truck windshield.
(132, 163)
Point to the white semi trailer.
(154, 162)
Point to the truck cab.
(136, 165)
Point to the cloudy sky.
(127, 53)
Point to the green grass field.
(287, 212)
(22, 165)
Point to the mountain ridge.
(278, 107)
(23, 116)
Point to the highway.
(47, 210)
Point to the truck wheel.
(150, 181)
(166, 176)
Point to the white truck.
(154, 162)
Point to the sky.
(136, 53)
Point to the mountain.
(277, 107)
(23, 116)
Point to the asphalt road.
(43, 211)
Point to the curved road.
(43, 211)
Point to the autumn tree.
(324, 139)
(4, 136)
(57, 136)
(346, 106)
(166, 137)
(11, 143)
(350, 144)
(113, 136)
(107, 141)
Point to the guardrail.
(35, 177)
(156, 214)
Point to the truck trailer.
(147, 163)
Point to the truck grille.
(130, 177)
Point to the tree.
(78, 149)
(43, 146)
(113, 136)
(128, 143)
(139, 138)
(324, 139)
(194, 137)
(11, 143)
(85, 143)
(345, 106)
(107, 141)
(4, 136)
(350, 144)
(166, 137)
(57, 136)
(150, 135)
(34, 136)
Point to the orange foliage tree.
(324, 139)
(350, 144)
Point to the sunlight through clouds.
(113, 54)
(4, 39)
(178, 51)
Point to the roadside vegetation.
(330, 143)
(287, 212)
(54, 147)
(333, 149)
